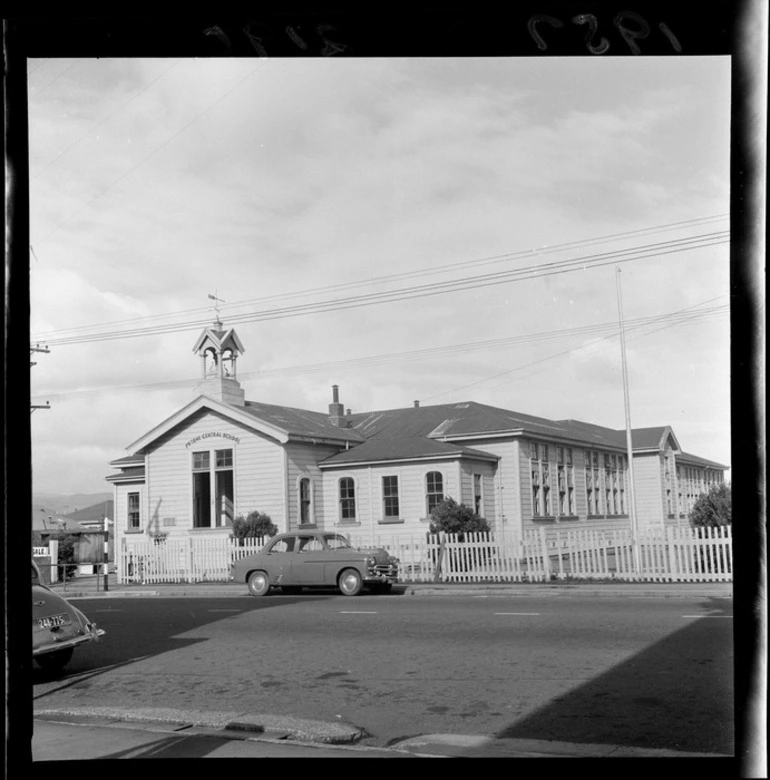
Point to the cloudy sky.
(408, 229)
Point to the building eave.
(206, 402)
(410, 459)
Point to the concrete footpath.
(60, 738)
(92, 586)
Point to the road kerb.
(296, 728)
(469, 745)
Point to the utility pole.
(47, 404)
(105, 528)
(629, 446)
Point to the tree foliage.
(67, 547)
(254, 525)
(714, 508)
(453, 518)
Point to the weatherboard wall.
(649, 489)
(302, 461)
(257, 467)
(468, 469)
(412, 496)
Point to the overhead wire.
(584, 263)
(673, 319)
(393, 277)
(688, 318)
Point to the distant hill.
(45, 505)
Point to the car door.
(280, 559)
(308, 562)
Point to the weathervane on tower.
(216, 300)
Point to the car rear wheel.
(259, 583)
(53, 662)
(350, 582)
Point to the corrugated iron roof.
(301, 422)
(385, 449)
(689, 458)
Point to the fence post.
(53, 550)
(439, 561)
(546, 558)
(673, 568)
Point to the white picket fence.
(182, 560)
(664, 555)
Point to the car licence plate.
(52, 621)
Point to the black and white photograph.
(382, 406)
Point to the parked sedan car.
(306, 559)
(57, 627)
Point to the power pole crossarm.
(38, 348)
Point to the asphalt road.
(643, 673)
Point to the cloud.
(156, 182)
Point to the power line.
(404, 275)
(634, 327)
(584, 263)
(675, 318)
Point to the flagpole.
(629, 445)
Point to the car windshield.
(335, 541)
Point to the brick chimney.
(336, 409)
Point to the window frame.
(433, 496)
(540, 481)
(307, 501)
(216, 462)
(388, 498)
(565, 481)
(478, 495)
(343, 500)
(138, 511)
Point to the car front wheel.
(54, 662)
(350, 582)
(259, 583)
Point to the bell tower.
(218, 348)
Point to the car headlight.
(371, 561)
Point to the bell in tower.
(218, 348)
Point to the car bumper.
(380, 579)
(92, 635)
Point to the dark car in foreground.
(308, 559)
(57, 626)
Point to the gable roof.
(219, 338)
(470, 420)
(641, 438)
(449, 421)
(417, 432)
(92, 514)
(279, 422)
(695, 460)
(301, 423)
(380, 449)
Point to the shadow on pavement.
(647, 702)
(131, 636)
(173, 747)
